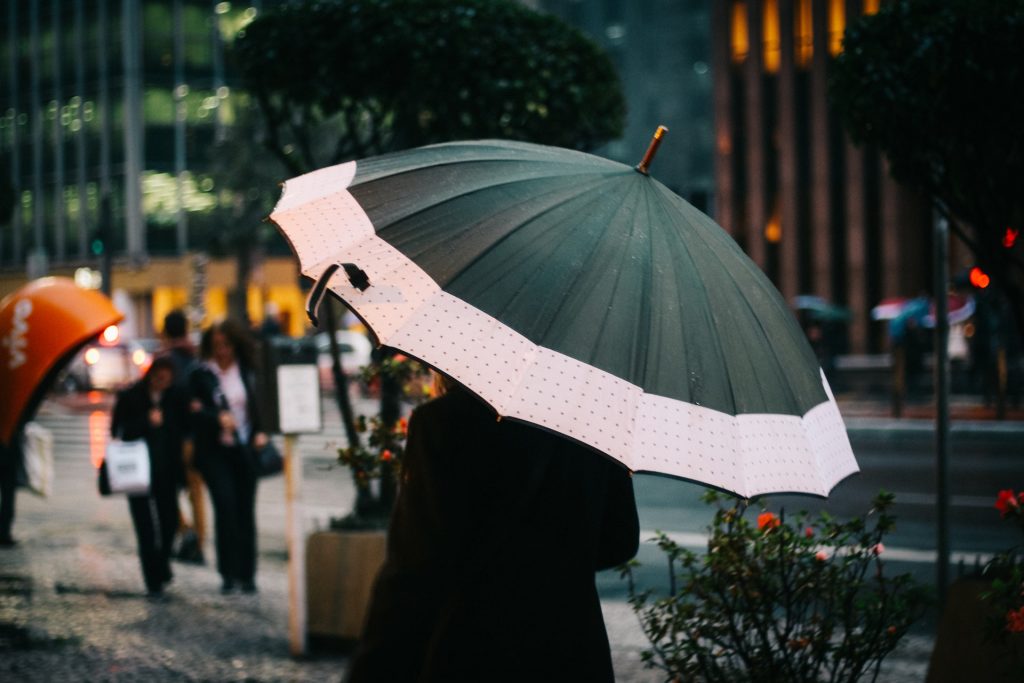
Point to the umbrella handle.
(652, 149)
(356, 276)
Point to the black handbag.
(267, 461)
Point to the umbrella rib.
(533, 217)
(730, 276)
(564, 300)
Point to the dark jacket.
(129, 421)
(204, 387)
(494, 541)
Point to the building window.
(739, 32)
(803, 33)
(836, 25)
(771, 39)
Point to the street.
(94, 600)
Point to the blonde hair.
(440, 384)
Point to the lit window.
(836, 25)
(803, 33)
(740, 32)
(770, 36)
(871, 6)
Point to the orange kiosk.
(42, 325)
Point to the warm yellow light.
(770, 37)
(92, 356)
(111, 334)
(871, 6)
(836, 25)
(773, 231)
(740, 32)
(803, 33)
(139, 356)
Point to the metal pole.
(941, 236)
(296, 549)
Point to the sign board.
(298, 399)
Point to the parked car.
(107, 364)
(355, 351)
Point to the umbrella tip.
(652, 149)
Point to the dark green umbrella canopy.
(590, 258)
(581, 295)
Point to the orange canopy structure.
(41, 326)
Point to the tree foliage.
(340, 79)
(938, 85)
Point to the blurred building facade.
(662, 51)
(108, 112)
(818, 214)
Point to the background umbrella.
(578, 294)
(42, 325)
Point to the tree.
(937, 85)
(338, 80)
(245, 179)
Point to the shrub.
(778, 599)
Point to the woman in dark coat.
(493, 544)
(153, 409)
(226, 427)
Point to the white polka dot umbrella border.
(750, 454)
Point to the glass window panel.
(158, 106)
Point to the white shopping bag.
(37, 449)
(127, 466)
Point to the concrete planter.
(341, 567)
(961, 652)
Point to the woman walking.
(226, 427)
(152, 409)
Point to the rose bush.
(778, 600)
(377, 457)
(1006, 589)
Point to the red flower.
(878, 549)
(386, 455)
(767, 521)
(1006, 501)
(1015, 620)
(809, 532)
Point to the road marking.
(697, 542)
(908, 498)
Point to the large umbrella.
(580, 295)
(41, 326)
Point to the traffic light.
(979, 278)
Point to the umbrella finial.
(652, 149)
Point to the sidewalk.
(72, 604)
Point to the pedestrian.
(494, 541)
(10, 467)
(152, 409)
(226, 430)
(179, 348)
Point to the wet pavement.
(73, 608)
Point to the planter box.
(341, 567)
(961, 653)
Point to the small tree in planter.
(376, 464)
(778, 600)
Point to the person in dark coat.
(10, 466)
(152, 409)
(226, 427)
(496, 535)
(180, 349)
